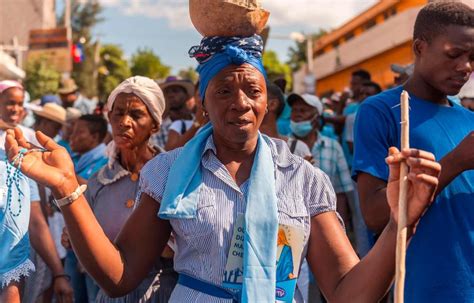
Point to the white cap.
(403, 69)
(311, 100)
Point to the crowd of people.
(143, 198)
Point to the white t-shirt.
(28, 133)
(301, 149)
(181, 126)
(350, 120)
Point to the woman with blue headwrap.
(224, 196)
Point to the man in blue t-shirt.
(440, 256)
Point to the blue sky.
(165, 27)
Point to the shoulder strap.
(183, 127)
(293, 146)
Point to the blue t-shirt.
(440, 258)
(283, 122)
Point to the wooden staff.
(402, 205)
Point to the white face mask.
(303, 128)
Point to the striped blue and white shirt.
(203, 242)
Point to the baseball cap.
(309, 99)
(402, 69)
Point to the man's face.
(11, 105)
(301, 111)
(82, 140)
(447, 62)
(48, 127)
(175, 97)
(367, 91)
(356, 85)
(68, 99)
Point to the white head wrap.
(144, 88)
(148, 91)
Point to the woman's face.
(236, 100)
(132, 124)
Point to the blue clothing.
(283, 122)
(285, 264)
(181, 197)
(74, 157)
(440, 258)
(14, 221)
(328, 129)
(352, 108)
(203, 243)
(78, 282)
(90, 162)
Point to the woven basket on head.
(228, 17)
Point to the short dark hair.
(436, 16)
(281, 83)
(96, 125)
(362, 73)
(274, 92)
(374, 85)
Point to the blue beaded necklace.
(14, 175)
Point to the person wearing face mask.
(327, 153)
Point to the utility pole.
(67, 19)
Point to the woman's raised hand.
(52, 167)
(422, 182)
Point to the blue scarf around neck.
(261, 216)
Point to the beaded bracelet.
(13, 178)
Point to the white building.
(8, 68)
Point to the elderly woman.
(134, 109)
(226, 195)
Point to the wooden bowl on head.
(228, 17)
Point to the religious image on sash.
(290, 243)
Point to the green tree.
(41, 79)
(113, 70)
(297, 53)
(84, 16)
(146, 63)
(189, 73)
(276, 69)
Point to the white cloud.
(313, 14)
(300, 14)
(175, 12)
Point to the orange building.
(373, 40)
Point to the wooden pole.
(402, 205)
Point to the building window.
(349, 36)
(319, 52)
(370, 24)
(335, 44)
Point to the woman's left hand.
(63, 290)
(422, 176)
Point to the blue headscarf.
(216, 53)
(182, 190)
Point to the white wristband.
(72, 197)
